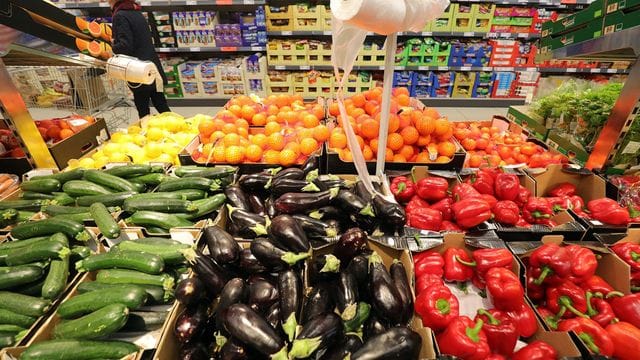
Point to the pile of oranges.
(491, 146)
(420, 136)
(279, 130)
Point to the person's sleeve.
(122, 36)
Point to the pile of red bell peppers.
(493, 333)
(561, 280)
(630, 253)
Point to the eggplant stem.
(259, 229)
(292, 258)
(374, 258)
(349, 312)
(368, 211)
(312, 175)
(311, 187)
(316, 215)
(190, 255)
(331, 264)
(303, 348)
(280, 355)
(331, 232)
(290, 326)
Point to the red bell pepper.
(523, 223)
(596, 284)
(445, 206)
(629, 253)
(537, 210)
(464, 339)
(635, 281)
(483, 182)
(432, 188)
(426, 280)
(478, 282)
(559, 203)
(437, 307)
(562, 190)
(402, 188)
(502, 333)
(462, 191)
(567, 300)
(525, 319)
(626, 340)
(596, 338)
(608, 211)
(626, 308)
(504, 289)
(534, 291)
(537, 350)
(523, 196)
(454, 270)
(577, 203)
(507, 186)
(490, 199)
(425, 219)
(599, 310)
(549, 318)
(428, 262)
(471, 212)
(450, 227)
(485, 259)
(415, 203)
(583, 263)
(550, 259)
(495, 357)
(506, 212)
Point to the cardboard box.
(623, 272)
(79, 144)
(615, 5)
(559, 141)
(532, 122)
(574, 21)
(589, 31)
(620, 20)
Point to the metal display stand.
(623, 45)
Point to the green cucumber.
(82, 217)
(205, 206)
(155, 294)
(102, 322)
(216, 172)
(182, 171)
(110, 181)
(32, 195)
(62, 199)
(39, 251)
(131, 296)
(27, 205)
(153, 179)
(7, 245)
(158, 168)
(160, 205)
(104, 220)
(118, 276)
(78, 350)
(77, 188)
(8, 217)
(157, 219)
(62, 177)
(25, 215)
(154, 230)
(46, 186)
(153, 196)
(57, 277)
(170, 254)
(115, 199)
(127, 171)
(198, 183)
(191, 194)
(122, 259)
(18, 275)
(11, 329)
(7, 340)
(51, 226)
(80, 252)
(159, 241)
(10, 318)
(140, 321)
(23, 304)
(31, 289)
(54, 210)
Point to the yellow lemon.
(115, 137)
(88, 163)
(111, 148)
(118, 157)
(73, 163)
(102, 161)
(170, 149)
(165, 158)
(134, 129)
(155, 134)
(98, 154)
(139, 139)
(152, 150)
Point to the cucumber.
(157, 168)
(71, 228)
(40, 251)
(191, 194)
(153, 179)
(150, 196)
(80, 252)
(182, 171)
(24, 215)
(18, 275)
(7, 340)
(160, 205)
(157, 219)
(8, 329)
(159, 241)
(127, 171)
(115, 199)
(123, 259)
(155, 294)
(117, 276)
(46, 186)
(78, 350)
(32, 195)
(153, 230)
(102, 322)
(31, 289)
(8, 245)
(130, 296)
(205, 206)
(54, 210)
(56, 280)
(81, 217)
(170, 254)
(62, 177)
(8, 217)
(10, 318)
(140, 321)
(216, 172)
(62, 199)
(198, 183)
(27, 205)
(23, 304)
(77, 188)
(110, 181)
(105, 222)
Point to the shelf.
(490, 35)
(147, 4)
(443, 102)
(550, 3)
(203, 102)
(457, 68)
(212, 49)
(622, 45)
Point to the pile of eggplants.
(250, 302)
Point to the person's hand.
(7, 37)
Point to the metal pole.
(389, 67)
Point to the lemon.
(73, 163)
(118, 157)
(152, 150)
(88, 163)
(98, 154)
(139, 139)
(155, 134)
(102, 161)
(111, 148)
(116, 137)
(134, 130)
(165, 158)
(170, 149)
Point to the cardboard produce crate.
(79, 144)
(595, 10)
(522, 116)
(591, 30)
(624, 272)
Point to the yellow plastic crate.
(279, 20)
(462, 17)
(326, 19)
(319, 53)
(371, 55)
(285, 52)
(308, 18)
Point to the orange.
(271, 128)
(446, 148)
(271, 157)
(231, 139)
(475, 161)
(359, 100)
(346, 155)
(423, 157)
(424, 141)
(403, 100)
(334, 110)
(304, 133)
(372, 107)
(399, 158)
(374, 145)
(400, 91)
(394, 123)
(283, 100)
(287, 157)
(219, 154)
(367, 153)
(410, 135)
(260, 140)
(219, 124)
(370, 129)
(318, 111)
(425, 125)
(242, 123)
(234, 154)
(338, 140)
(388, 155)
(236, 110)
(272, 110)
(293, 146)
(407, 151)
(243, 132)
(431, 112)
(468, 144)
(206, 149)
(275, 141)
(308, 146)
(206, 128)
(248, 112)
(272, 118)
(310, 121)
(229, 128)
(254, 153)
(442, 127)
(217, 135)
(290, 117)
(443, 159)
(395, 141)
(360, 141)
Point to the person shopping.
(132, 37)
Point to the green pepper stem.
(443, 306)
(492, 319)
(463, 262)
(614, 294)
(590, 310)
(588, 340)
(634, 256)
(546, 271)
(402, 186)
(552, 321)
(566, 302)
(472, 333)
(540, 215)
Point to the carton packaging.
(622, 272)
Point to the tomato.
(528, 149)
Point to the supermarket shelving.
(489, 35)
(458, 68)
(212, 49)
(148, 4)
(436, 102)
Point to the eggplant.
(273, 317)
(350, 344)
(353, 204)
(235, 291)
(248, 224)
(273, 256)
(194, 351)
(359, 266)
(363, 311)
(389, 212)
(284, 185)
(223, 248)
(320, 184)
(251, 329)
(385, 297)
(290, 173)
(257, 205)
(374, 326)
(320, 332)
(290, 290)
(395, 343)
(287, 231)
(319, 302)
(362, 191)
(213, 276)
(237, 197)
(312, 164)
(190, 291)
(316, 228)
(190, 323)
(233, 350)
(270, 207)
(346, 295)
(327, 212)
(335, 182)
(255, 182)
(262, 294)
(399, 276)
(323, 268)
(293, 203)
(249, 264)
(351, 243)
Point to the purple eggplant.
(316, 228)
(362, 191)
(395, 343)
(249, 264)
(374, 326)
(323, 268)
(233, 350)
(297, 203)
(224, 249)
(389, 212)
(286, 230)
(350, 344)
(385, 298)
(273, 256)
(194, 351)
(257, 205)
(312, 164)
(326, 213)
(290, 290)
(190, 323)
(190, 291)
(251, 329)
(351, 243)
(399, 276)
(320, 332)
(290, 173)
(237, 197)
(255, 182)
(346, 295)
(262, 293)
(207, 270)
(282, 186)
(319, 302)
(273, 317)
(248, 224)
(359, 266)
(353, 204)
(235, 291)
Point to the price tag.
(506, 35)
(596, 222)
(164, 50)
(507, 69)
(380, 67)
(572, 70)
(595, 70)
(248, 2)
(191, 2)
(305, 67)
(228, 48)
(427, 33)
(103, 4)
(469, 34)
(257, 48)
(280, 67)
(223, 2)
(145, 3)
(286, 33)
(487, 68)
(612, 71)
(465, 68)
(443, 68)
(195, 49)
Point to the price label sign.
(228, 48)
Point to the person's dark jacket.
(131, 36)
